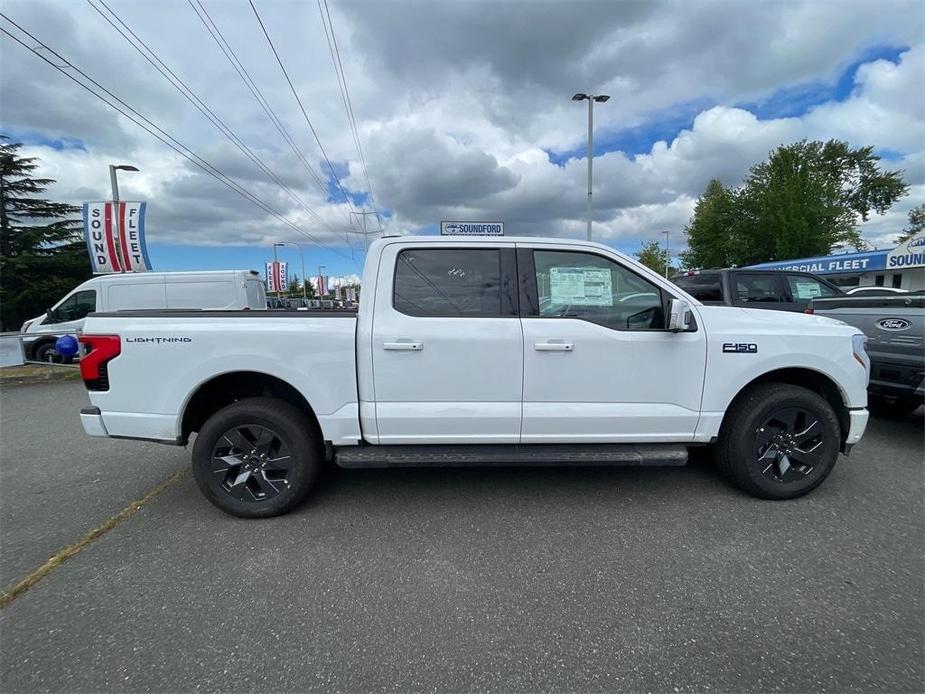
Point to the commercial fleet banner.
(115, 236)
(277, 279)
(910, 254)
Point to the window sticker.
(808, 290)
(580, 286)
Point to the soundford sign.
(472, 228)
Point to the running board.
(481, 455)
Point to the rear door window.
(703, 287)
(452, 282)
(758, 288)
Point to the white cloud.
(458, 104)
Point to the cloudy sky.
(462, 110)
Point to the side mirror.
(51, 316)
(679, 315)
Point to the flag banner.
(337, 292)
(277, 278)
(351, 294)
(322, 285)
(115, 236)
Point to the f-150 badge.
(740, 347)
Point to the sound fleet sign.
(910, 254)
(115, 236)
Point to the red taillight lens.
(99, 350)
(809, 310)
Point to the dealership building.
(902, 267)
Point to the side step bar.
(369, 456)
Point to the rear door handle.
(553, 346)
(404, 346)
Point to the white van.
(219, 289)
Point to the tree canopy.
(916, 224)
(42, 252)
(805, 200)
(655, 257)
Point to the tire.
(900, 406)
(778, 441)
(46, 352)
(257, 458)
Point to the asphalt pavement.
(458, 580)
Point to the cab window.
(703, 287)
(596, 289)
(804, 288)
(75, 307)
(758, 288)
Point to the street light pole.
(117, 237)
(591, 98)
(667, 253)
(302, 255)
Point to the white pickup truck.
(479, 351)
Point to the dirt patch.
(38, 373)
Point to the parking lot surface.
(458, 580)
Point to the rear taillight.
(99, 350)
(809, 310)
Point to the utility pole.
(591, 98)
(365, 233)
(116, 236)
(667, 253)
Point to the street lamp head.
(279, 244)
(579, 97)
(125, 167)
(601, 98)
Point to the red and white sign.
(115, 236)
(322, 285)
(277, 278)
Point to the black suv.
(780, 290)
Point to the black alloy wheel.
(787, 444)
(251, 463)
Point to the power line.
(194, 99)
(149, 126)
(345, 97)
(301, 106)
(238, 66)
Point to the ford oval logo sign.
(893, 324)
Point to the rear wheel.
(46, 352)
(778, 441)
(256, 458)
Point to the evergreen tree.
(42, 252)
(655, 257)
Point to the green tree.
(916, 224)
(711, 234)
(805, 200)
(655, 257)
(42, 252)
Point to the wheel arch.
(816, 381)
(220, 391)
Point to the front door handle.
(553, 346)
(404, 346)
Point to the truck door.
(447, 347)
(599, 364)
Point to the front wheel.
(256, 458)
(778, 441)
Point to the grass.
(37, 373)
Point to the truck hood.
(765, 319)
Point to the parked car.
(876, 291)
(779, 290)
(895, 330)
(222, 289)
(469, 351)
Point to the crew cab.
(481, 351)
(778, 290)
